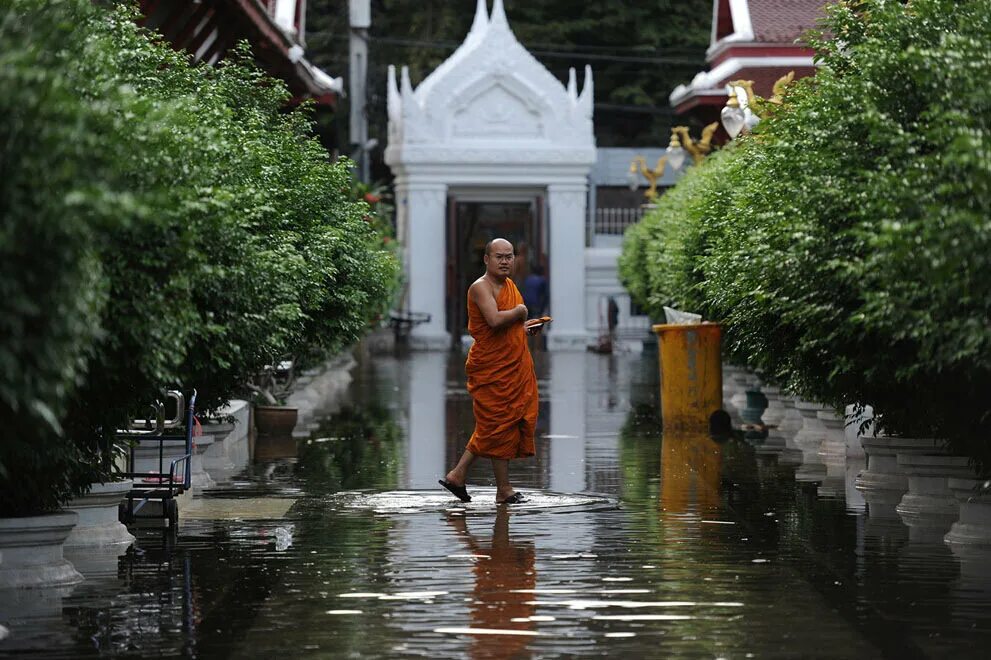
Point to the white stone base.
(98, 525)
(31, 551)
(775, 411)
(929, 507)
(973, 528)
(883, 482)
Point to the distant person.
(535, 292)
(501, 379)
(612, 317)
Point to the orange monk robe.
(502, 384)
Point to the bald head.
(499, 243)
(499, 257)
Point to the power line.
(683, 50)
(573, 55)
(638, 109)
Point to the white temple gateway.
(492, 144)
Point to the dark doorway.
(473, 224)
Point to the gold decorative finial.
(639, 165)
(697, 149)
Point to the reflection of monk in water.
(504, 585)
(501, 379)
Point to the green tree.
(167, 225)
(846, 244)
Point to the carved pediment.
(497, 111)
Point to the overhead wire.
(560, 54)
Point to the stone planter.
(729, 388)
(224, 447)
(740, 387)
(275, 420)
(199, 477)
(973, 527)
(791, 420)
(883, 482)
(854, 498)
(98, 525)
(775, 411)
(809, 439)
(832, 451)
(754, 407)
(929, 507)
(320, 392)
(853, 432)
(31, 551)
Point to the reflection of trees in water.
(639, 452)
(356, 448)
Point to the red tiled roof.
(784, 21)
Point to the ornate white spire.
(498, 17)
(490, 100)
(481, 20)
(587, 99)
(394, 105)
(572, 85)
(406, 87)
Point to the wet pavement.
(342, 545)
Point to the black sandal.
(516, 498)
(460, 492)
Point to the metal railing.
(614, 221)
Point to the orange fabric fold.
(502, 383)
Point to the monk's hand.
(521, 312)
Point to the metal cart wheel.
(172, 512)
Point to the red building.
(757, 40)
(208, 29)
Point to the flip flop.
(460, 492)
(515, 498)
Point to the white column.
(566, 205)
(427, 430)
(423, 234)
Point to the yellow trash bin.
(691, 374)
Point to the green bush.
(57, 196)
(852, 259)
(660, 262)
(200, 233)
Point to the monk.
(501, 380)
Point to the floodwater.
(632, 545)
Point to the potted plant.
(271, 386)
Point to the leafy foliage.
(164, 224)
(849, 251)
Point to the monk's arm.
(481, 293)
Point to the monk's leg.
(459, 474)
(501, 469)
